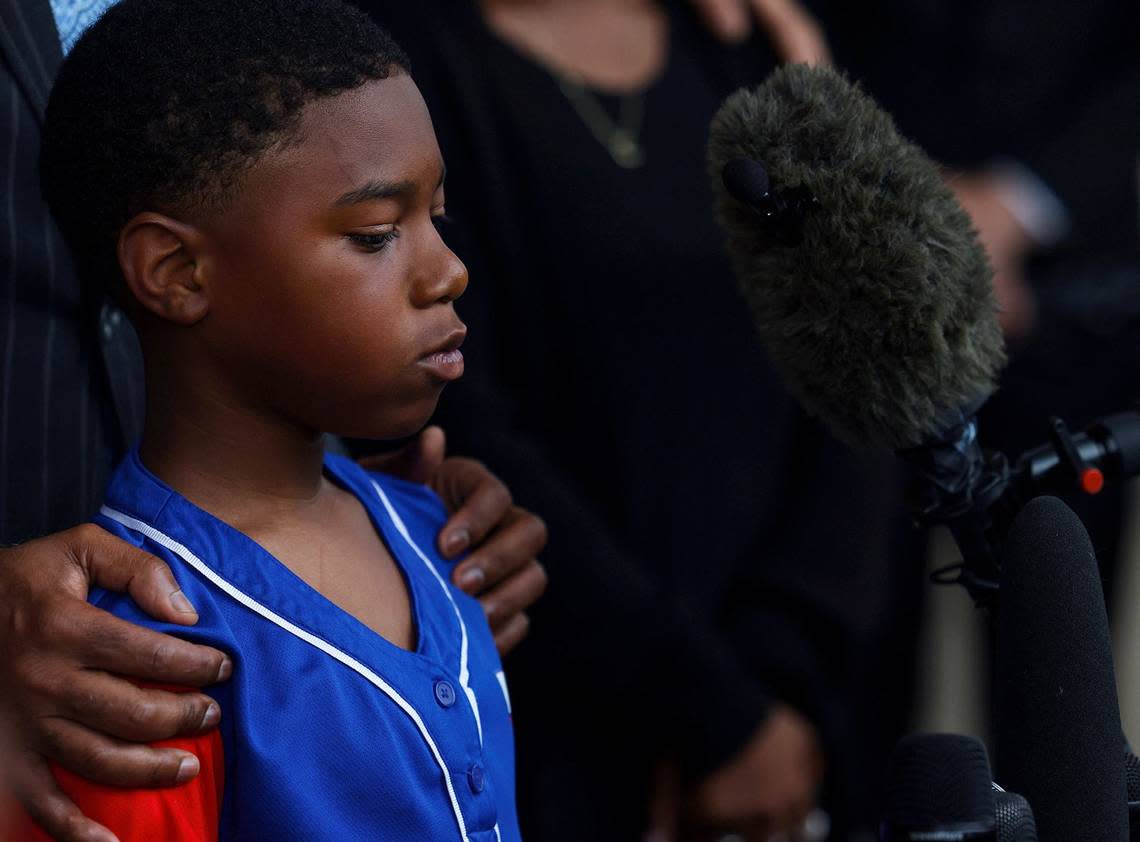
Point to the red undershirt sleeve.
(188, 812)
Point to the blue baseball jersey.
(330, 731)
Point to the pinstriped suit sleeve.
(58, 428)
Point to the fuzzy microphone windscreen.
(880, 312)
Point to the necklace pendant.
(625, 151)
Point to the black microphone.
(939, 789)
(1057, 721)
(1015, 822)
(873, 297)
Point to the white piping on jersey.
(330, 650)
(464, 673)
(502, 676)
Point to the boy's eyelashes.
(377, 240)
(373, 242)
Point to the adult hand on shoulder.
(796, 36)
(62, 696)
(504, 540)
(770, 786)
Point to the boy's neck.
(226, 457)
(263, 474)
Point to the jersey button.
(444, 693)
(475, 778)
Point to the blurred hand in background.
(796, 36)
(1007, 244)
(766, 791)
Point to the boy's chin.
(387, 428)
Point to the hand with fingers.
(502, 539)
(769, 787)
(796, 36)
(64, 676)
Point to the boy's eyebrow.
(375, 191)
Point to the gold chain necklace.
(621, 138)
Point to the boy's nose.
(445, 283)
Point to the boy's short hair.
(164, 104)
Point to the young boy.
(259, 182)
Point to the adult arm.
(1090, 169)
(1099, 191)
(188, 812)
(62, 700)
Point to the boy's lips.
(445, 361)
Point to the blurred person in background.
(730, 595)
(1035, 111)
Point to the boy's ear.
(160, 260)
